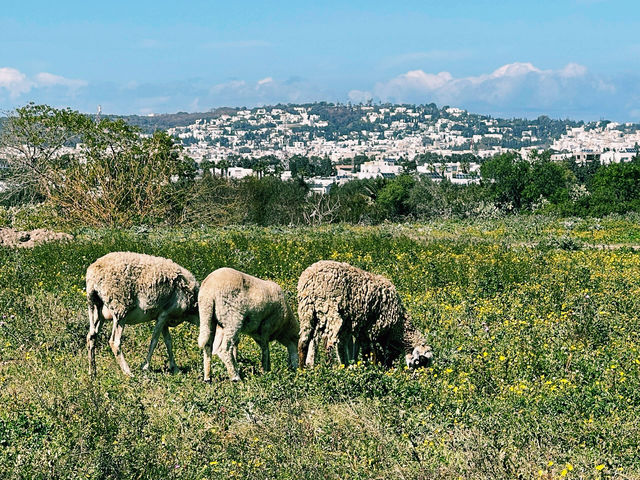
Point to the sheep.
(131, 288)
(338, 303)
(231, 302)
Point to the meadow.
(534, 323)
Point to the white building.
(321, 184)
(239, 172)
(379, 168)
(626, 155)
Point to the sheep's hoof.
(235, 378)
(145, 367)
(207, 380)
(174, 370)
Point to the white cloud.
(573, 70)
(50, 80)
(233, 85)
(518, 86)
(14, 81)
(18, 83)
(515, 69)
(265, 81)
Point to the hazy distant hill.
(345, 118)
(163, 121)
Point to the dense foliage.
(537, 371)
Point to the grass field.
(535, 328)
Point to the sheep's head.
(422, 356)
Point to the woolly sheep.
(231, 302)
(131, 288)
(338, 303)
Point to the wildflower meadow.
(534, 323)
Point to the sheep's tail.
(94, 303)
(206, 310)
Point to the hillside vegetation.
(536, 372)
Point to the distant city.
(379, 140)
(386, 137)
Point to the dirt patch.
(17, 238)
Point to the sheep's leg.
(337, 334)
(234, 351)
(167, 341)
(95, 323)
(356, 350)
(342, 350)
(157, 330)
(219, 335)
(226, 354)
(206, 354)
(114, 343)
(312, 349)
(293, 354)
(266, 354)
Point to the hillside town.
(371, 141)
(389, 135)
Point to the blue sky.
(565, 58)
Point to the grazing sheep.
(231, 302)
(131, 288)
(339, 303)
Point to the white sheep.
(131, 288)
(231, 302)
(339, 303)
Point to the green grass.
(537, 368)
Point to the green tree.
(325, 168)
(408, 165)
(393, 198)
(616, 188)
(300, 166)
(33, 139)
(547, 180)
(506, 176)
(112, 176)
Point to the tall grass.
(536, 375)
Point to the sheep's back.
(125, 280)
(336, 285)
(241, 291)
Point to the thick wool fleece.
(337, 302)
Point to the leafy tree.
(408, 165)
(583, 172)
(393, 198)
(616, 188)
(546, 180)
(113, 176)
(506, 176)
(271, 201)
(33, 140)
(325, 167)
(300, 166)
